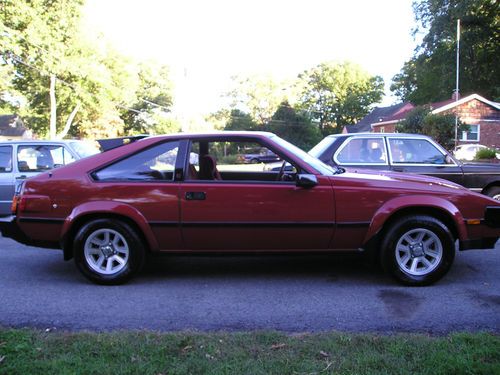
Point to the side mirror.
(306, 181)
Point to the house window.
(472, 134)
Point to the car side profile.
(409, 153)
(190, 193)
(22, 159)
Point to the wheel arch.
(124, 213)
(435, 207)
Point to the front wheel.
(418, 250)
(108, 251)
(493, 192)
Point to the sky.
(207, 42)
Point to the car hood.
(399, 179)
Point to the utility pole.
(456, 85)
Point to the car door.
(7, 181)
(243, 207)
(422, 156)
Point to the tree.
(338, 94)
(239, 120)
(259, 96)
(294, 127)
(153, 101)
(440, 127)
(430, 75)
(45, 55)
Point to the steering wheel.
(279, 177)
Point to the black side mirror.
(306, 181)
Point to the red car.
(190, 193)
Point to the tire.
(108, 251)
(254, 161)
(494, 192)
(417, 250)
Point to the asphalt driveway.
(288, 293)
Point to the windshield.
(312, 161)
(321, 147)
(85, 148)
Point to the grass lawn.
(38, 352)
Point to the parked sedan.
(109, 211)
(411, 153)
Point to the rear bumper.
(478, 244)
(10, 229)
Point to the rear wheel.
(418, 250)
(108, 251)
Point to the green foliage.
(338, 94)
(438, 126)
(41, 38)
(442, 129)
(430, 75)
(259, 96)
(239, 120)
(153, 99)
(414, 121)
(294, 127)
(485, 153)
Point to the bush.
(486, 153)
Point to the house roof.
(377, 115)
(451, 103)
(11, 126)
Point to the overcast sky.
(215, 39)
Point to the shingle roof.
(377, 115)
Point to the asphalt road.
(288, 293)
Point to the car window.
(369, 150)
(416, 151)
(156, 163)
(5, 159)
(235, 161)
(39, 158)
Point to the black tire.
(254, 161)
(493, 192)
(122, 250)
(431, 246)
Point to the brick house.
(482, 116)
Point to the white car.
(468, 152)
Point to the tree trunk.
(53, 107)
(69, 121)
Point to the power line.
(166, 109)
(76, 88)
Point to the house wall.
(476, 112)
(387, 128)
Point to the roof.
(11, 126)
(451, 103)
(379, 114)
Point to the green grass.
(38, 352)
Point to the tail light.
(17, 201)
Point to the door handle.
(195, 196)
(22, 177)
